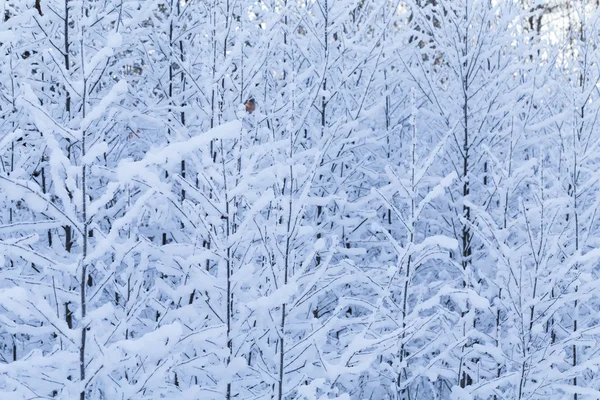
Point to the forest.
(300, 199)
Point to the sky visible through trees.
(300, 199)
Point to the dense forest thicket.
(408, 209)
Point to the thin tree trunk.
(84, 272)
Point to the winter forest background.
(412, 212)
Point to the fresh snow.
(409, 210)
